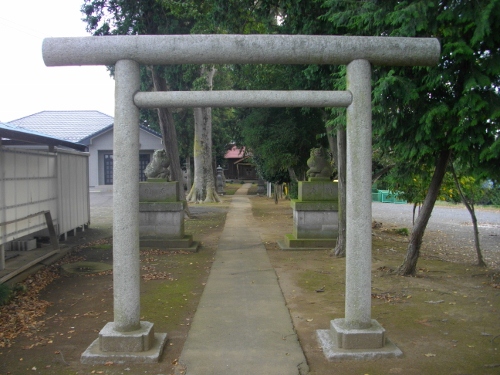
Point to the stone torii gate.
(129, 339)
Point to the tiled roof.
(14, 135)
(235, 153)
(72, 126)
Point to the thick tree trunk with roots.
(469, 204)
(409, 265)
(203, 189)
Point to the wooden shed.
(239, 166)
(44, 186)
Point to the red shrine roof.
(235, 153)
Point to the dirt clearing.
(445, 320)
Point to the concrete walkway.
(242, 325)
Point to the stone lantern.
(220, 181)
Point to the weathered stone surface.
(315, 215)
(291, 242)
(158, 191)
(333, 353)
(161, 213)
(315, 224)
(139, 340)
(126, 264)
(372, 337)
(358, 195)
(162, 223)
(314, 205)
(159, 166)
(318, 190)
(95, 356)
(162, 206)
(240, 49)
(247, 98)
(318, 163)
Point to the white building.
(94, 130)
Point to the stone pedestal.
(261, 187)
(161, 216)
(220, 181)
(315, 216)
(140, 346)
(344, 342)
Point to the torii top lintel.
(240, 49)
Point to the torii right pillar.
(357, 336)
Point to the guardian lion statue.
(318, 164)
(159, 166)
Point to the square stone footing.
(332, 339)
(139, 340)
(95, 356)
(345, 337)
(302, 244)
(185, 243)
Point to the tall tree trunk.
(203, 189)
(293, 175)
(409, 265)
(188, 173)
(168, 132)
(332, 142)
(470, 207)
(340, 248)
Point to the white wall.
(36, 181)
(103, 144)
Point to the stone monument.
(161, 211)
(358, 53)
(315, 212)
(220, 181)
(261, 186)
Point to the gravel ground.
(446, 223)
(449, 222)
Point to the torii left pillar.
(126, 339)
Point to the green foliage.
(293, 190)
(279, 139)
(5, 294)
(490, 196)
(417, 112)
(402, 231)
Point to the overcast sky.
(27, 85)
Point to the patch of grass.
(231, 188)
(169, 302)
(253, 190)
(402, 231)
(203, 222)
(107, 246)
(312, 280)
(5, 294)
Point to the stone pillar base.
(163, 243)
(140, 346)
(291, 243)
(340, 342)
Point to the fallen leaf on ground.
(424, 322)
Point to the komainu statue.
(158, 167)
(318, 164)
